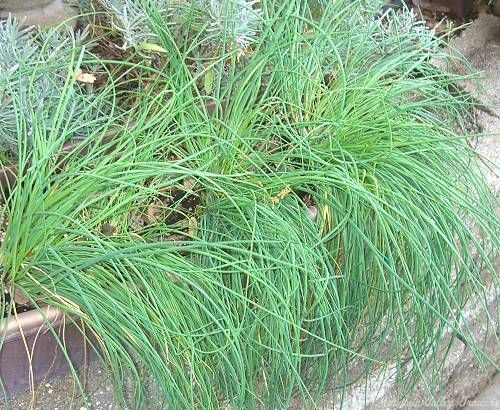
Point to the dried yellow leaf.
(281, 195)
(84, 77)
(152, 47)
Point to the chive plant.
(230, 291)
(33, 69)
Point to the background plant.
(233, 23)
(243, 298)
(33, 71)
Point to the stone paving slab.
(488, 399)
(37, 12)
(480, 45)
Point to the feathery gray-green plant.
(234, 23)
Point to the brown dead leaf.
(20, 298)
(108, 229)
(85, 77)
(154, 212)
(189, 184)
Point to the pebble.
(313, 212)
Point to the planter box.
(30, 352)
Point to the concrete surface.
(480, 45)
(61, 394)
(466, 385)
(489, 398)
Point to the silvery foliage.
(237, 22)
(34, 70)
(131, 20)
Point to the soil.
(7, 306)
(442, 21)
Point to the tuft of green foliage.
(33, 70)
(228, 292)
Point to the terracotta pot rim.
(21, 325)
(38, 345)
